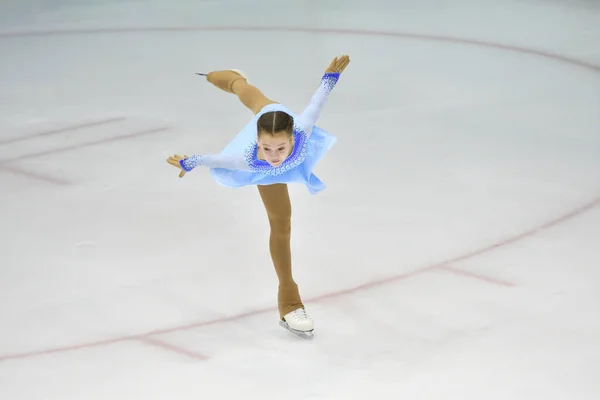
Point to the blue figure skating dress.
(238, 165)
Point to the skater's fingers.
(332, 65)
(343, 62)
(174, 162)
(339, 64)
(344, 65)
(182, 173)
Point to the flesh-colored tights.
(279, 210)
(275, 197)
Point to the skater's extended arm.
(232, 162)
(186, 164)
(311, 113)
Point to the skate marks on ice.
(251, 314)
(346, 291)
(582, 63)
(62, 129)
(54, 138)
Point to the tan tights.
(275, 197)
(279, 210)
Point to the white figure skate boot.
(299, 323)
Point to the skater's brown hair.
(274, 122)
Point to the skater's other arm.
(232, 162)
(186, 164)
(311, 113)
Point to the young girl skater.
(275, 148)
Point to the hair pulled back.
(273, 122)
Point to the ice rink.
(455, 254)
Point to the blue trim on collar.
(296, 158)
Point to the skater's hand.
(174, 161)
(338, 64)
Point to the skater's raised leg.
(234, 82)
(279, 210)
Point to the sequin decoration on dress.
(238, 165)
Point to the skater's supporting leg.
(279, 210)
(232, 82)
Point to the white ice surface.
(444, 150)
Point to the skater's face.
(275, 148)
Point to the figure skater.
(275, 148)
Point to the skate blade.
(302, 334)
